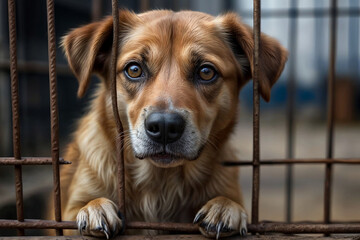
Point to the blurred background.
(301, 26)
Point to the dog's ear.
(88, 48)
(272, 55)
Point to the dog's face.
(180, 75)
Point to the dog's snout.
(164, 127)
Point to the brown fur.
(168, 42)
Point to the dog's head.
(180, 74)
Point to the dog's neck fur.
(195, 179)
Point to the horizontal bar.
(262, 227)
(280, 13)
(294, 161)
(36, 67)
(303, 228)
(180, 227)
(184, 236)
(30, 161)
(48, 161)
(37, 224)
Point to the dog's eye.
(133, 71)
(207, 73)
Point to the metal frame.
(325, 227)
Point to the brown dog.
(178, 75)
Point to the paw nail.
(218, 229)
(210, 228)
(82, 226)
(243, 232)
(106, 230)
(198, 217)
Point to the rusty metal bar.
(15, 112)
(262, 227)
(96, 10)
(256, 115)
(36, 67)
(30, 161)
(119, 127)
(294, 161)
(189, 237)
(38, 224)
(330, 113)
(292, 228)
(144, 5)
(291, 93)
(48, 161)
(54, 114)
(179, 227)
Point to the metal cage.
(325, 227)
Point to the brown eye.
(207, 73)
(133, 71)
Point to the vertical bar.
(144, 5)
(96, 10)
(15, 112)
(119, 127)
(330, 112)
(293, 14)
(54, 114)
(256, 116)
(353, 46)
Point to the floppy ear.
(88, 48)
(272, 55)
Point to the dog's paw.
(221, 217)
(99, 218)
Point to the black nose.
(164, 127)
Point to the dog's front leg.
(99, 218)
(221, 217)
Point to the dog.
(178, 76)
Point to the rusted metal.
(96, 10)
(144, 5)
(15, 112)
(330, 113)
(262, 227)
(38, 224)
(36, 67)
(255, 227)
(54, 114)
(30, 161)
(14, 79)
(256, 115)
(190, 237)
(178, 227)
(294, 161)
(195, 237)
(291, 85)
(292, 228)
(119, 126)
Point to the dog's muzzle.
(164, 128)
(166, 138)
